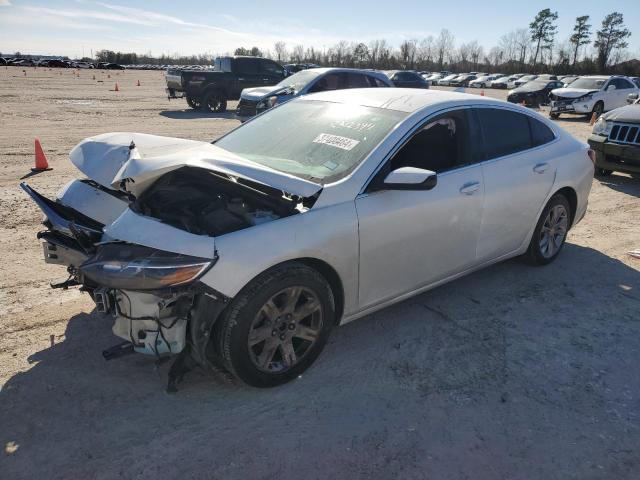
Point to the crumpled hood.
(628, 114)
(259, 93)
(108, 160)
(569, 92)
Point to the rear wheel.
(214, 102)
(550, 232)
(277, 326)
(554, 116)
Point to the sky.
(80, 27)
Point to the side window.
(622, 84)
(505, 132)
(441, 144)
(330, 81)
(540, 133)
(356, 80)
(271, 68)
(376, 82)
(246, 65)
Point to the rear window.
(540, 133)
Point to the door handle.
(541, 167)
(241, 79)
(470, 188)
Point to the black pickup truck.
(210, 89)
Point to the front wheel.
(550, 232)
(193, 103)
(598, 108)
(603, 172)
(276, 326)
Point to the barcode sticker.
(337, 141)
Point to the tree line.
(534, 49)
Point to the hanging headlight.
(133, 267)
(601, 127)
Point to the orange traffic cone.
(482, 93)
(116, 89)
(41, 159)
(25, 72)
(138, 84)
(109, 76)
(523, 103)
(94, 77)
(593, 118)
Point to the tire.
(598, 108)
(214, 101)
(550, 233)
(603, 172)
(193, 103)
(554, 116)
(264, 312)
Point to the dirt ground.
(510, 373)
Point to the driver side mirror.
(410, 178)
(611, 88)
(632, 97)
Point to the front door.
(409, 239)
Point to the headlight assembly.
(601, 127)
(267, 103)
(133, 267)
(585, 98)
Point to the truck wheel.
(193, 103)
(276, 326)
(214, 102)
(603, 172)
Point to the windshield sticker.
(331, 165)
(337, 141)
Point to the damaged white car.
(245, 252)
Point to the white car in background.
(520, 81)
(445, 81)
(246, 252)
(503, 82)
(591, 95)
(484, 81)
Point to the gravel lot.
(511, 373)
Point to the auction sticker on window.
(337, 141)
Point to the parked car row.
(58, 63)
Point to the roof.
(406, 100)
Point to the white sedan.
(247, 251)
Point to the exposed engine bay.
(205, 203)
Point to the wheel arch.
(572, 197)
(332, 278)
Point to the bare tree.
(297, 54)
(444, 47)
(281, 51)
(425, 52)
(408, 53)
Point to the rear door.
(518, 175)
(270, 72)
(247, 74)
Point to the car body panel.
(108, 160)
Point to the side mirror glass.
(411, 178)
(632, 97)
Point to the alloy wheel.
(554, 231)
(285, 329)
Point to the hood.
(139, 159)
(569, 92)
(259, 93)
(628, 114)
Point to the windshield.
(299, 80)
(534, 85)
(319, 141)
(588, 83)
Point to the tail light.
(592, 155)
